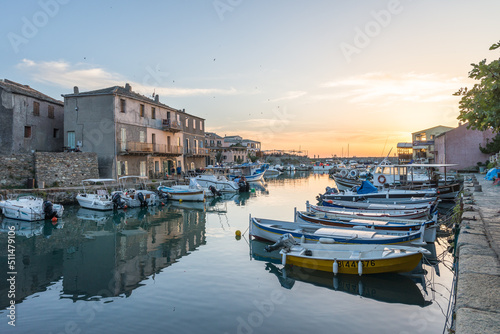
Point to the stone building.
(230, 149)
(132, 134)
(31, 121)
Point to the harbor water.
(180, 268)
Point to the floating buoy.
(180, 201)
(54, 219)
(252, 190)
(162, 203)
(238, 233)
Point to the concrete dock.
(477, 307)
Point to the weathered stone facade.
(65, 169)
(16, 169)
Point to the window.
(122, 168)
(56, 133)
(157, 166)
(122, 105)
(187, 123)
(201, 125)
(71, 139)
(142, 137)
(51, 112)
(142, 168)
(153, 112)
(123, 137)
(141, 110)
(194, 124)
(27, 132)
(36, 109)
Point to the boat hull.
(88, 201)
(272, 230)
(351, 266)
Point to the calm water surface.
(180, 269)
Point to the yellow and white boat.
(353, 259)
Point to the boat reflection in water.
(388, 288)
(139, 244)
(100, 254)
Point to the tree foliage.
(480, 105)
(491, 146)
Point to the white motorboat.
(100, 199)
(30, 208)
(219, 182)
(136, 195)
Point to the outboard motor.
(118, 201)
(142, 200)
(243, 186)
(214, 191)
(48, 210)
(286, 241)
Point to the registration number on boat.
(354, 264)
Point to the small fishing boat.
(368, 191)
(219, 182)
(192, 192)
(374, 213)
(99, 199)
(135, 195)
(374, 223)
(30, 208)
(272, 230)
(352, 259)
(379, 206)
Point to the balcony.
(171, 125)
(196, 152)
(138, 148)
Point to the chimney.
(75, 90)
(157, 98)
(127, 87)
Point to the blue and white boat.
(272, 230)
(193, 192)
(251, 172)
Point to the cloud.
(384, 88)
(88, 77)
(290, 96)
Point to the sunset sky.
(319, 76)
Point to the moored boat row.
(357, 231)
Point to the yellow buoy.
(180, 201)
(238, 233)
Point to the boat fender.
(302, 239)
(335, 267)
(283, 258)
(360, 267)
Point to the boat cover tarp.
(366, 188)
(492, 174)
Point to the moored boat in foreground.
(272, 230)
(353, 259)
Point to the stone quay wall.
(65, 169)
(16, 169)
